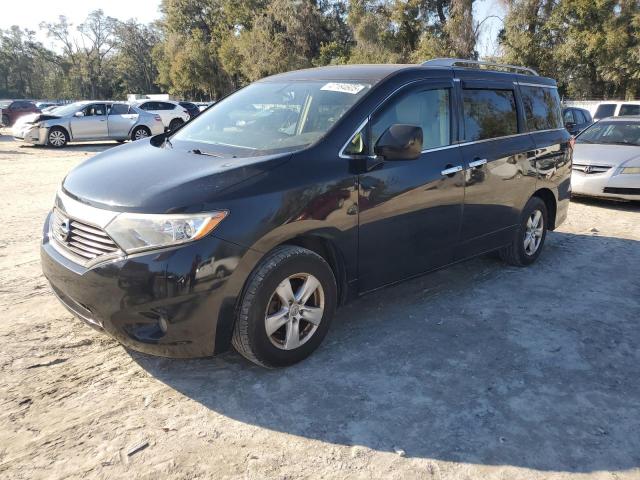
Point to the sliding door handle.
(477, 162)
(450, 170)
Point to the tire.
(521, 252)
(262, 300)
(139, 133)
(175, 123)
(5, 120)
(57, 137)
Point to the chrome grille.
(81, 239)
(590, 169)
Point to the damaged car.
(87, 121)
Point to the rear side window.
(165, 106)
(605, 110)
(119, 109)
(489, 114)
(541, 108)
(629, 109)
(428, 109)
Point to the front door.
(410, 210)
(92, 125)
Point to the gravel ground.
(480, 371)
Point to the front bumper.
(173, 302)
(609, 184)
(30, 134)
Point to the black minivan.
(250, 224)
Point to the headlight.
(635, 170)
(136, 231)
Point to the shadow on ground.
(479, 363)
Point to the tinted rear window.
(605, 110)
(489, 114)
(629, 109)
(541, 108)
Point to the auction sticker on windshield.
(352, 88)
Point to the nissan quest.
(250, 224)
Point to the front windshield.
(617, 133)
(269, 117)
(68, 109)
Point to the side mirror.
(78, 114)
(400, 142)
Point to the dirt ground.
(481, 371)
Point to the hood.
(34, 118)
(141, 177)
(598, 154)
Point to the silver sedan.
(606, 159)
(87, 121)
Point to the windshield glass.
(68, 109)
(270, 117)
(618, 133)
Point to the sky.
(13, 12)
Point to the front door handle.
(451, 170)
(477, 163)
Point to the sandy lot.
(481, 371)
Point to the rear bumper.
(176, 302)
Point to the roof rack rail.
(460, 62)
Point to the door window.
(579, 116)
(165, 106)
(96, 109)
(428, 109)
(629, 109)
(542, 108)
(119, 109)
(489, 114)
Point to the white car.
(606, 159)
(617, 109)
(172, 113)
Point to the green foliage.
(592, 47)
(204, 49)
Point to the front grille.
(622, 191)
(81, 239)
(590, 169)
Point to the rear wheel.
(175, 123)
(139, 133)
(529, 238)
(57, 137)
(286, 309)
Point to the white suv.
(172, 114)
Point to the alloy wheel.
(57, 138)
(533, 232)
(140, 134)
(294, 311)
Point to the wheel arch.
(324, 247)
(550, 201)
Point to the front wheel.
(57, 137)
(286, 308)
(529, 238)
